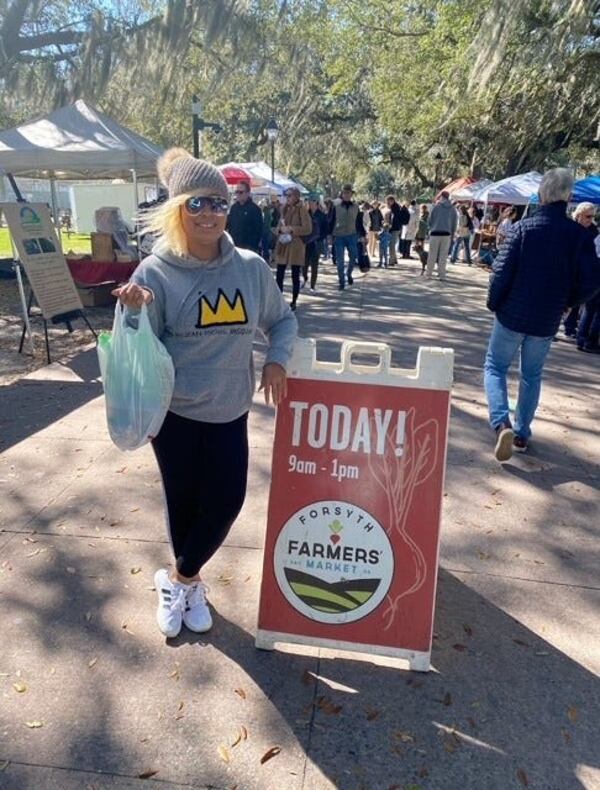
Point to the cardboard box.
(97, 295)
(102, 247)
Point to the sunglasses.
(195, 205)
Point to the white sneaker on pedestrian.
(171, 603)
(313, 290)
(197, 615)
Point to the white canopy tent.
(76, 142)
(472, 191)
(514, 191)
(262, 171)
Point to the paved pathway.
(513, 700)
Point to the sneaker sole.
(168, 634)
(198, 630)
(518, 449)
(504, 446)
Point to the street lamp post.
(272, 131)
(198, 124)
(438, 162)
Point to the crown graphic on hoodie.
(224, 312)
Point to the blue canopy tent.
(584, 190)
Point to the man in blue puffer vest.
(546, 265)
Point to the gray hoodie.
(207, 315)
(443, 219)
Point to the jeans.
(503, 346)
(466, 242)
(341, 243)
(438, 253)
(588, 330)
(384, 250)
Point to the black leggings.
(204, 468)
(311, 261)
(295, 279)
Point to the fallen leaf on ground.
(20, 688)
(237, 740)
(120, 472)
(483, 555)
(522, 777)
(70, 569)
(372, 714)
(328, 707)
(247, 579)
(461, 648)
(520, 642)
(244, 733)
(273, 752)
(175, 673)
(135, 570)
(127, 630)
(447, 699)
(573, 714)
(92, 663)
(148, 773)
(224, 754)
(134, 510)
(307, 678)
(241, 693)
(224, 578)
(467, 629)
(30, 540)
(34, 725)
(404, 736)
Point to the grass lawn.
(76, 242)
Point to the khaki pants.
(372, 243)
(394, 234)
(438, 253)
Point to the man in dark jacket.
(395, 227)
(245, 220)
(546, 265)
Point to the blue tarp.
(586, 189)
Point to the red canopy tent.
(459, 183)
(234, 174)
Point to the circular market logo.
(333, 562)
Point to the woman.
(289, 250)
(330, 214)
(313, 243)
(206, 299)
(375, 225)
(409, 231)
(509, 216)
(463, 235)
(421, 236)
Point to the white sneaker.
(171, 603)
(197, 615)
(313, 290)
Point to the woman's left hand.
(274, 383)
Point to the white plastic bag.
(138, 378)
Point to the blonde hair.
(165, 221)
(583, 208)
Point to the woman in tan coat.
(290, 248)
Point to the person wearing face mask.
(206, 301)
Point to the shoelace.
(174, 599)
(197, 594)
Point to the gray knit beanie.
(181, 173)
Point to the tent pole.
(136, 224)
(54, 200)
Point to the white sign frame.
(41, 255)
(433, 370)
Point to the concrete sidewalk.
(91, 696)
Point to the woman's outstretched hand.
(274, 383)
(133, 295)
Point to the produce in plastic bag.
(138, 378)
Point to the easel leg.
(89, 326)
(26, 324)
(47, 341)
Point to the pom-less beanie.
(182, 174)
